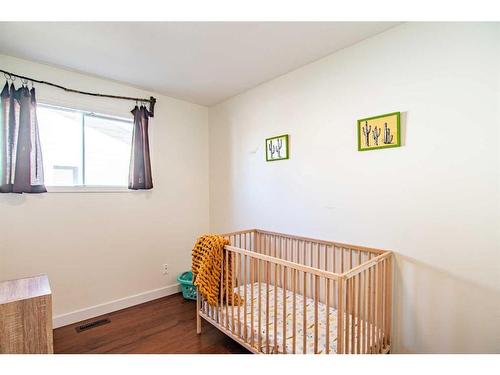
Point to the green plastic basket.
(187, 287)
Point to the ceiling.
(201, 62)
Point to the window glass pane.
(61, 140)
(107, 151)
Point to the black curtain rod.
(151, 100)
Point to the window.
(84, 149)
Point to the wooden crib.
(301, 295)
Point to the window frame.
(83, 188)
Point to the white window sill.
(88, 189)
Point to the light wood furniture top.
(26, 316)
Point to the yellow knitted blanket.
(207, 264)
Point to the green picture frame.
(277, 148)
(394, 121)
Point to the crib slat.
(304, 254)
(245, 271)
(210, 311)
(252, 267)
(238, 284)
(389, 302)
(289, 249)
(299, 257)
(213, 308)
(264, 247)
(259, 316)
(347, 316)
(294, 317)
(334, 269)
(369, 315)
(275, 338)
(380, 297)
(350, 258)
(318, 256)
(279, 252)
(204, 306)
(326, 258)
(284, 289)
(358, 315)
(361, 317)
(352, 317)
(311, 276)
(382, 317)
(316, 300)
(386, 302)
(227, 287)
(327, 318)
(207, 308)
(304, 323)
(341, 260)
(381, 306)
(367, 309)
(198, 306)
(270, 245)
(301, 254)
(373, 310)
(386, 265)
(366, 278)
(340, 316)
(267, 307)
(377, 308)
(232, 293)
(221, 291)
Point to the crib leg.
(198, 318)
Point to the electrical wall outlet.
(165, 269)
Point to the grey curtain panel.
(140, 164)
(21, 167)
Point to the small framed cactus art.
(379, 132)
(277, 148)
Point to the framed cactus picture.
(379, 132)
(277, 148)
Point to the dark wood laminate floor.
(165, 325)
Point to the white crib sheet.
(299, 311)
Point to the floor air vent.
(90, 325)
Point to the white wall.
(100, 247)
(434, 201)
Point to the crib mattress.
(279, 301)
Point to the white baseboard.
(118, 304)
